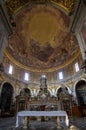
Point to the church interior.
(43, 64)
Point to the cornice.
(42, 70)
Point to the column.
(58, 123)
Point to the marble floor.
(75, 124)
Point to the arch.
(6, 97)
(80, 90)
(59, 89)
(25, 92)
(74, 94)
(11, 83)
(59, 7)
(3, 82)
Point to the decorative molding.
(67, 5)
(15, 5)
(42, 70)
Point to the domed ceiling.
(41, 39)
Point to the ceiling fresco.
(41, 40)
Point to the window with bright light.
(26, 77)
(76, 66)
(43, 76)
(60, 75)
(10, 69)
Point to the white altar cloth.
(41, 113)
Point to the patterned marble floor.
(79, 122)
(75, 124)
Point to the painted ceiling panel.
(41, 40)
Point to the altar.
(22, 116)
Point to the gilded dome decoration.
(15, 5)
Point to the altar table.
(41, 113)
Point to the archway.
(62, 90)
(80, 90)
(6, 97)
(65, 99)
(25, 92)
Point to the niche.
(81, 92)
(6, 97)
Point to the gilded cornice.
(75, 56)
(15, 5)
(67, 5)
